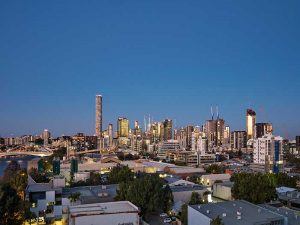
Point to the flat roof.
(183, 188)
(292, 215)
(103, 208)
(228, 211)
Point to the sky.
(167, 58)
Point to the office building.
(99, 120)
(268, 152)
(123, 127)
(46, 136)
(110, 135)
(214, 130)
(262, 129)
(240, 212)
(168, 127)
(238, 140)
(189, 131)
(227, 135)
(250, 123)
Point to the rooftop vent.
(224, 214)
(199, 206)
(207, 211)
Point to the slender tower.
(99, 120)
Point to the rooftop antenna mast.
(145, 123)
(217, 110)
(212, 113)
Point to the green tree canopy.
(256, 188)
(217, 221)
(215, 169)
(184, 214)
(195, 199)
(120, 174)
(168, 199)
(146, 191)
(11, 206)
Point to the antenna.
(217, 109)
(212, 113)
(145, 123)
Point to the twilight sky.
(166, 58)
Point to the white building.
(268, 151)
(104, 213)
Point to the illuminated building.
(262, 129)
(215, 131)
(123, 127)
(110, 134)
(46, 135)
(238, 140)
(250, 123)
(189, 130)
(99, 120)
(268, 152)
(227, 135)
(167, 129)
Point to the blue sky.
(165, 58)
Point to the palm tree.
(216, 221)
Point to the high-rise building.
(238, 140)
(123, 127)
(262, 129)
(227, 135)
(110, 134)
(298, 144)
(189, 131)
(250, 123)
(167, 129)
(99, 120)
(199, 141)
(268, 151)
(46, 135)
(215, 131)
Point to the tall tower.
(110, 134)
(250, 123)
(99, 120)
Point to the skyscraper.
(189, 130)
(261, 129)
(99, 120)
(123, 127)
(110, 134)
(215, 131)
(238, 140)
(167, 129)
(46, 135)
(250, 123)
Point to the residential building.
(262, 129)
(250, 123)
(238, 140)
(268, 152)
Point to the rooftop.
(182, 188)
(103, 208)
(238, 212)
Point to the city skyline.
(167, 60)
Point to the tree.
(37, 177)
(216, 221)
(120, 174)
(195, 198)
(11, 206)
(284, 180)
(11, 170)
(168, 199)
(184, 214)
(194, 179)
(256, 188)
(19, 183)
(215, 169)
(146, 191)
(74, 197)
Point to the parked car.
(163, 215)
(167, 220)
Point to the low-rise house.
(209, 179)
(222, 190)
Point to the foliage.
(19, 183)
(39, 141)
(283, 179)
(11, 170)
(180, 163)
(38, 177)
(167, 199)
(146, 191)
(122, 156)
(184, 214)
(120, 174)
(11, 206)
(195, 199)
(194, 179)
(74, 197)
(59, 153)
(216, 221)
(256, 188)
(215, 169)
